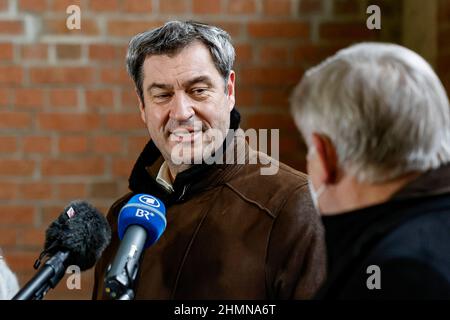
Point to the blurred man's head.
(373, 116)
(185, 83)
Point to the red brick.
(35, 51)
(354, 31)
(72, 144)
(11, 75)
(278, 96)
(129, 99)
(270, 75)
(277, 7)
(279, 29)
(137, 6)
(103, 5)
(99, 98)
(32, 237)
(6, 51)
(124, 121)
(206, 7)
(173, 6)
(244, 53)
(107, 144)
(114, 76)
(32, 5)
(124, 28)
(104, 190)
(443, 36)
(64, 75)
(11, 27)
(68, 122)
(341, 7)
(16, 214)
(35, 144)
(8, 144)
(68, 51)
(241, 7)
(4, 96)
(36, 191)
(71, 190)
(13, 119)
(312, 54)
(8, 191)
(54, 26)
(11, 167)
(103, 52)
(8, 237)
(73, 167)
(308, 7)
(63, 98)
(232, 28)
(27, 98)
(277, 54)
(122, 167)
(246, 96)
(61, 5)
(22, 261)
(3, 5)
(137, 144)
(270, 121)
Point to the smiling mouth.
(185, 134)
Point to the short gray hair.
(382, 106)
(174, 36)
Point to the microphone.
(140, 224)
(77, 237)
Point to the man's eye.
(199, 91)
(162, 96)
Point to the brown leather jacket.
(231, 233)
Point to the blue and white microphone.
(141, 222)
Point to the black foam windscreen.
(82, 231)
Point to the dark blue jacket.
(405, 242)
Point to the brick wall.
(69, 126)
(443, 56)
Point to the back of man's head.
(382, 106)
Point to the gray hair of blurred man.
(8, 281)
(383, 108)
(171, 38)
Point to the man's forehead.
(192, 62)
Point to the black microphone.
(77, 237)
(140, 224)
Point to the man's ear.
(230, 90)
(326, 158)
(141, 105)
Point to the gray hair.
(382, 106)
(171, 38)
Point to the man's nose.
(182, 107)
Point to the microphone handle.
(122, 272)
(47, 277)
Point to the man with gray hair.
(376, 120)
(232, 232)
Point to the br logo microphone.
(141, 222)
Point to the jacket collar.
(197, 178)
(430, 183)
